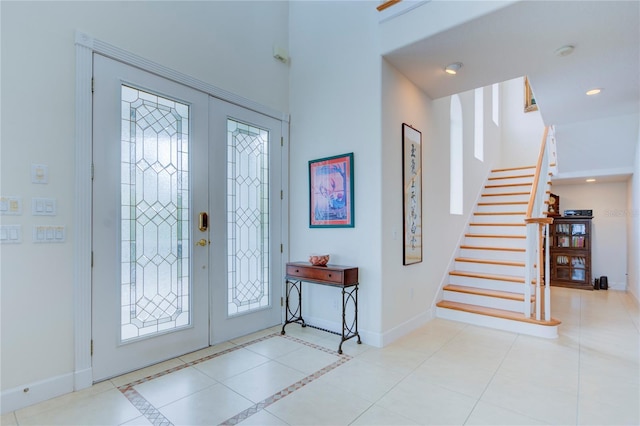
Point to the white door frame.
(86, 46)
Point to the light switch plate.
(39, 173)
(11, 206)
(10, 234)
(43, 206)
(49, 234)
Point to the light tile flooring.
(443, 373)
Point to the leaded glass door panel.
(246, 210)
(150, 278)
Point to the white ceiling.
(521, 38)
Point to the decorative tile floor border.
(154, 415)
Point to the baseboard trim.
(33, 393)
(83, 379)
(407, 327)
(619, 286)
(365, 336)
(377, 340)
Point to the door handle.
(202, 242)
(203, 221)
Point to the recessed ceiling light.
(591, 180)
(453, 68)
(593, 92)
(564, 50)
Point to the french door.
(245, 181)
(184, 220)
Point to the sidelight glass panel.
(247, 218)
(155, 287)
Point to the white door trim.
(86, 46)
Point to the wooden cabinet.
(570, 254)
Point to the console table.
(343, 277)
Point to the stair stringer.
(456, 253)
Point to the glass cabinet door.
(570, 267)
(570, 235)
(562, 233)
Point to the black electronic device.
(578, 213)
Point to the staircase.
(487, 285)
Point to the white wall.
(609, 226)
(410, 292)
(226, 44)
(633, 224)
(521, 132)
(407, 291)
(337, 106)
(431, 18)
(580, 144)
(335, 109)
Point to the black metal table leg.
(349, 330)
(289, 314)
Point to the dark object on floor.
(604, 283)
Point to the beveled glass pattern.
(247, 217)
(155, 286)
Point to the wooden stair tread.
(493, 312)
(484, 292)
(512, 177)
(509, 278)
(497, 224)
(499, 213)
(489, 261)
(512, 168)
(494, 236)
(502, 203)
(492, 248)
(502, 194)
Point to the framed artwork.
(529, 98)
(412, 194)
(331, 192)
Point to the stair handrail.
(538, 227)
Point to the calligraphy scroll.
(412, 194)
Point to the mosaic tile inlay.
(154, 416)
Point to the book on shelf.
(577, 242)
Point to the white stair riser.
(496, 180)
(488, 284)
(512, 256)
(500, 230)
(486, 301)
(548, 332)
(504, 198)
(495, 242)
(487, 268)
(498, 218)
(499, 189)
(500, 208)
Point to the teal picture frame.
(331, 192)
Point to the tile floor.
(443, 373)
